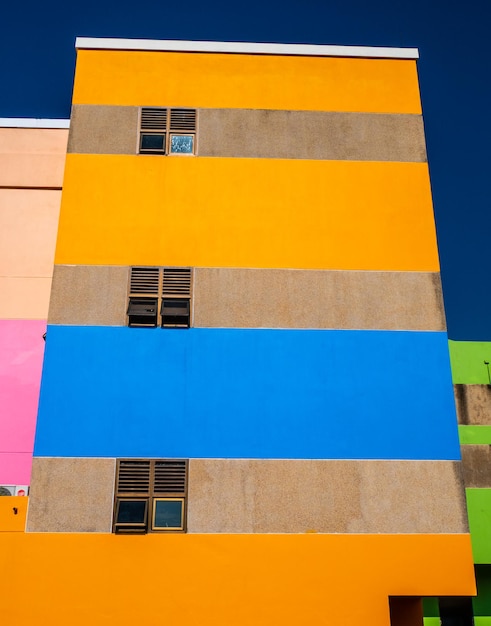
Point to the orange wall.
(246, 213)
(9, 520)
(176, 79)
(224, 579)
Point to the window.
(167, 131)
(150, 496)
(160, 293)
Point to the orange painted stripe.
(246, 81)
(225, 579)
(265, 213)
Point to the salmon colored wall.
(225, 579)
(10, 521)
(176, 79)
(28, 225)
(24, 298)
(246, 213)
(32, 157)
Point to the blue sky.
(37, 60)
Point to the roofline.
(30, 122)
(235, 47)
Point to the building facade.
(32, 158)
(246, 336)
(471, 375)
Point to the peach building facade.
(32, 160)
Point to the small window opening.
(152, 143)
(168, 514)
(167, 131)
(175, 313)
(181, 144)
(150, 496)
(142, 312)
(131, 516)
(163, 292)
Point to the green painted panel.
(474, 434)
(480, 620)
(432, 621)
(479, 510)
(430, 607)
(467, 360)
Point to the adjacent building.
(471, 375)
(32, 158)
(246, 412)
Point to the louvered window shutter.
(170, 477)
(133, 478)
(176, 282)
(153, 119)
(144, 281)
(183, 120)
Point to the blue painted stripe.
(238, 393)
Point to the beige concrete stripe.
(257, 298)
(103, 130)
(476, 461)
(473, 404)
(71, 495)
(266, 496)
(254, 496)
(310, 135)
(251, 133)
(89, 295)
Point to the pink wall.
(31, 175)
(21, 360)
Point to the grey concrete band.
(266, 496)
(71, 495)
(251, 133)
(476, 461)
(92, 295)
(473, 404)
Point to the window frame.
(167, 130)
(151, 495)
(154, 514)
(176, 285)
(130, 527)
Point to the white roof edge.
(235, 47)
(30, 122)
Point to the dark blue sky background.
(37, 60)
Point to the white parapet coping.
(30, 122)
(235, 47)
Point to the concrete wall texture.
(262, 298)
(252, 133)
(310, 474)
(265, 496)
(31, 174)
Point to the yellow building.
(246, 413)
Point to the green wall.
(479, 510)
(467, 359)
(474, 434)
